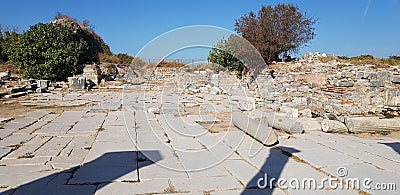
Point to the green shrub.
(222, 55)
(48, 51)
(7, 37)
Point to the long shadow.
(265, 180)
(91, 176)
(394, 145)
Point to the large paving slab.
(53, 147)
(56, 189)
(89, 123)
(155, 186)
(29, 147)
(115, 145)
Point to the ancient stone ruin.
(178, 130)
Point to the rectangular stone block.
(29, 147)
(53, 147)
(89, 123)
(206, 184)
(258, 130)
(396, 79)
(377, 83)
(155, 186)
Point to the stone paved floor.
(109, 147)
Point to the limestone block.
(261, 132)
(332, 126)
(280, 121)
(371, 124)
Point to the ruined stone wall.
(363, 90)
(324, 88)
(303, 87)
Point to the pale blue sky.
(344, 27)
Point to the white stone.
(259, 131)
(15, 139)
(206, 184)
(53, 147)
(56, 189)
(29, 147)
(25, 161)
(155, 186)
(89, 123)
(243, 171)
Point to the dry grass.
(10, 67)
(15, 147)
(123, 59)
(328, 59)
(170, 189)
(167, 64)
(378, 135)
(27, 155)
(364, 60)
(13, 109)
(201, 67)
(224, 119)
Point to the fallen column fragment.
(310, 124)
(259, 131)
(280, 121)
(371, 124)
(332, 126)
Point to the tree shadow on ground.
(91, 176)
(266, 179)
(394, 145)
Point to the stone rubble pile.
(321, 90)
(15, 89)
(302, 95)
(311, 57)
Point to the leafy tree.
(48, 51)
(276, 31)
(7, 36)
(2, 54)
(223, 55)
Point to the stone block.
(5, 75)
(52, 147)
(280, 121)
(43, 84)
(40, 90)
(259, 131)
(377, 83)
(215, 79)
(291, 112)
(396, 79)
(344, 83)
(332, 126)
(77, 83)
(37, 161)
(215, 91)
(384, 76)
(307, 113)
(310, 124)
(207, 184)
(56, 189)
(154, 186)
(371, 124)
